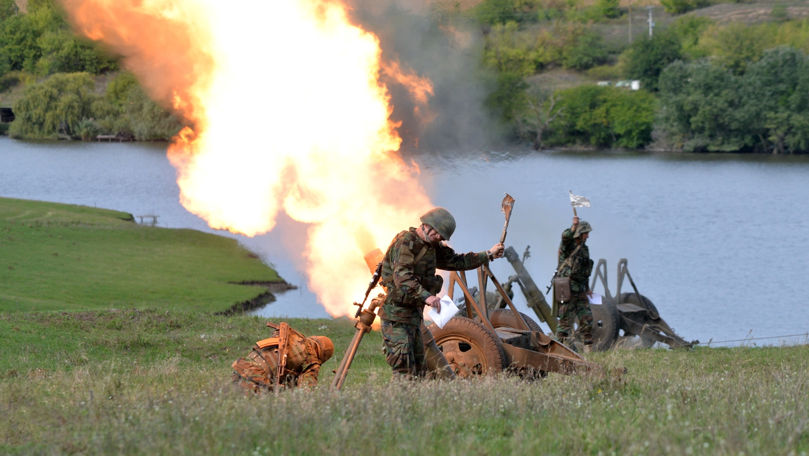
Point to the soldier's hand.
(434, 302)
(575, 220)
(496, 251)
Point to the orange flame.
(287, 113)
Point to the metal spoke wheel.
(469, 347)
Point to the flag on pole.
(578, 201)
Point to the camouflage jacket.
(408, 274)
(579, 267)
(301, 369)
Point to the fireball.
(286, 112)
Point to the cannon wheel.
(604, 336)
(469, 347)
(505, 318)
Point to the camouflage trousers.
(404, 348)
(577, 308)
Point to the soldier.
(304, 355)
(575, 262)
(408, 275)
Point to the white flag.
(578, 201)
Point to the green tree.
(126, 111)
(683, 6)
(585, 50)
(608, 8)
(507, 99)
(778, 86)
(510, 51)
(603, 117)
(18, 43)
(702, 108)
(63, 52)
(688, 30)
(8, 8)
(54, 107)
(647, 58)
(736, 45)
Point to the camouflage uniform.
(578, 269)
(257, 371)
(408, 275)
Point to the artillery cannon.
(482, 342)
(619, 317)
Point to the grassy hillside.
(60, 257)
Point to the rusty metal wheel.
(469, 347)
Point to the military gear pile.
(304, 355)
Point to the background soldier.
(304, 355)
(408, 275)
(575, 262)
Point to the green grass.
(99, 371)
(158, 382)
(61, 257)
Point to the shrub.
(604, 117)
(683, 6)
(647, 58)
(53, 107)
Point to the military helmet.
(582, 228)
(440, 219)
(325, 347)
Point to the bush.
(647, 58)
(126, 110)
(54, 107)
(683, 6)
(508, 97)
(603, 117)
(585, 50)
(707, 107)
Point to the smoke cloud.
(446, 51)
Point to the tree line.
(705, 86)
(62, 75)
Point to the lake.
(718, 243)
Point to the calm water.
(719, 244)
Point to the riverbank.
(70, 258)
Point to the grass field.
(61, 257)
(152, 375)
